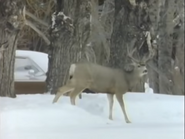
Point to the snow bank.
(153, 116)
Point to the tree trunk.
(61, 37)
(153, 9)
(69, 39)
(101, 30)
(178, 49)
(165, 71)
(131, 21)
(9, 30)
(165, 46)
(81, 15)
(119, 36)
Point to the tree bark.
(178, 49)
(119, 38)
(153, 11)
(101, 30)
(81, 15)
(69, 39)
(165, 71)
(10, 25)
(165, 46)
(131, 21)
(61, 37)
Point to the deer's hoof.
(110, 118)
(128, 121)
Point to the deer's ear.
(128, 68)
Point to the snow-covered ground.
(153, 116)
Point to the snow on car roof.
(38, 57)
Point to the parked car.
(30, 72)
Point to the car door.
(29, 77)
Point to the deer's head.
(138, 65)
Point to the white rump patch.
(72, 69)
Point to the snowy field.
(153, 116)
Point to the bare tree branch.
(31, 25)
(36, 19)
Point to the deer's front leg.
(119, 97)
(111, 101)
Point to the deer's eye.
(139, 66)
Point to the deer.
(107, 80)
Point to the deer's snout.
(145, 71)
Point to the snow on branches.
(60, 19)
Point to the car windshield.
(23, 64)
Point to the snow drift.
(153, 116)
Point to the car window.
(24, 64)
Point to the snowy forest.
(99, 31)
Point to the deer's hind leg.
(80, 95)
(77, 91)
(119, 97)
(62, 90)
(80, 86)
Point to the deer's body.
(102, 79)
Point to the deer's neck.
(132, 80)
